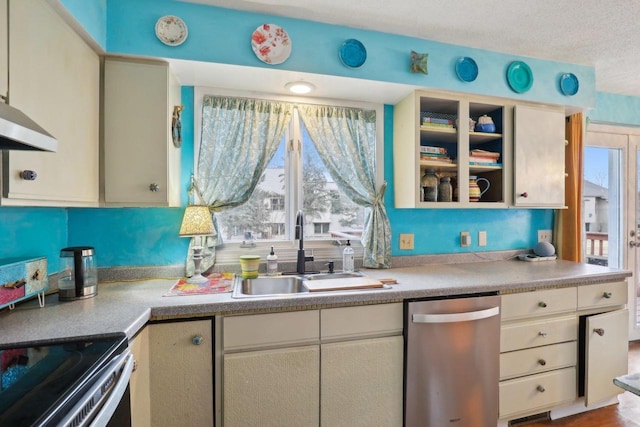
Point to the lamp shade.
(196, 222)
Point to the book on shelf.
(484, 153)
(432, 150)
(437, 125)
(434, 120)
(437, 159)
(483, 159)
(485, 164)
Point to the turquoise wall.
(148, 236)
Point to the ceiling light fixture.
(299, 88)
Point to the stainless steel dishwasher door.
(452, 362)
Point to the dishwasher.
(452, 361)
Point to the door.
(611, 210)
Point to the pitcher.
(474, 189)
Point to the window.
(294, 179)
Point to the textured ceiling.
(602, 34)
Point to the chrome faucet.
(302, 259)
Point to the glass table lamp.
(196, 223)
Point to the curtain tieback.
(378, 199)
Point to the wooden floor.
(624, 414)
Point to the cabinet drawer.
(270, 330)
(538, 359)
(517, 336)
(538, 303)
(361, 321)
(602, 295)
(532, 394)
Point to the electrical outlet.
(545, 236)
(406, 242)
(482, 238)
(465, 239)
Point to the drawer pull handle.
(599, 331)
(607, 294)
(197, 340)
(542, 304)
(542, 334)
(542, 362)
(540, 389)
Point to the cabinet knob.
(607, 295)
(542, 334)
(197, 339)
(541, 389)
(542, 362)
(525, 195)
(599, 331)
(542, 304)
(28, 175)
(135, 365)
(154, 187)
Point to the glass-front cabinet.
(452, 152)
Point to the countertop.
(128, 306)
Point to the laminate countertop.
(128, 306)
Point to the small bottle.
(445, 191)
(272, 263)
(347, 258)
(429, 184)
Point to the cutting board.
(342, 284)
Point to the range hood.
(19, 132)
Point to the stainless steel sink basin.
(268, 286)
(328, 276)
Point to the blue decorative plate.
(352, 53)
(466, 69)
(569, 84)
(519, 76)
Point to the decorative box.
(21, 279)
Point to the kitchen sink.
(328, 276)
(264, 286)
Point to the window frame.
(323, 250)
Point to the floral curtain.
(239, 138)
(345, 140)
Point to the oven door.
(71, 382)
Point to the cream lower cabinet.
(329, 367)
(181, 373)
(139, 382)
(54, 78)
(561, 346)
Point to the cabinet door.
(277, 388)
(607, 350)
(4, 50)
(361, 383)
(142, 166)
(139, 382)
(539, 148)
(181, 377)
(55, 80)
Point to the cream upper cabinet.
(433, 131)
(539, 151)
(4, 49)
(55, 80)
(141, 162)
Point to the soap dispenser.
(347, 258)
(272, 263)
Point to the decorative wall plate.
(466, 69)
(271, 44)
(352, 53)
(171, 30)
(519, 76)
(569, 84)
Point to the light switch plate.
(406, 241)
(465, 239)
(482, 238)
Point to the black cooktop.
(38, 382)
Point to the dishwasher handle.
(456, 317)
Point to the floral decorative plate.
(271, 44)
(519, 76)
(569, 84)
(352, 53)
(466, 69)
(171, 30)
